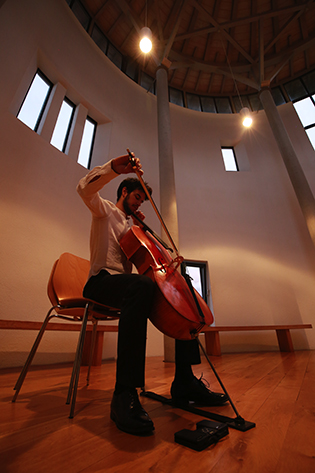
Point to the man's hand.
(123, 165)
(139, 216)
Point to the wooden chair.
(65, 287)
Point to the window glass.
(32, 109)
(35, 101)
(255, 103)
(100, 39)
(176, 97)
(147, 82)
(277, 96)
(193, 102)
(309, 82)
(194, 273)
(241, 102)
(62, 127)
(295, 89)
(311, 134)
(208, 105)
(87, 143)
(132, 70)
(81, 14)
(229, 159)
(306, 111)
(223, 105)
(114, 55)
(198, 274)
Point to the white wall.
(246, 225)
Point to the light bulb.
(145, 45)
(247, 122)
(145, 42)
(247, 119)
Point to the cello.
(178, 310)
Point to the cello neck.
(131, 157)
(148, 229)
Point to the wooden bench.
(212, 336)
(67, 327)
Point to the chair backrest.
(65, 288)
(67, 279)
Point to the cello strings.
(131, 157)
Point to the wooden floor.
(275, 390)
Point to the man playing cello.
(111, 282)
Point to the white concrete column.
(168, 204)
(295, 171)
(166, 165)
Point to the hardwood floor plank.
(298, 452)
(273, 389)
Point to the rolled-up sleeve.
(89, 186)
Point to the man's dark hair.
(131, 184)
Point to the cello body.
(174, 312)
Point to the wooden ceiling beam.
(246, 63)
(261, 52)
(226, 35)
(254, 31)
(293, 49)
(134, 19)
(100, 11)
(198, 81)
(275, 25)
(116, 23)
(201, 66)
(278, 68)
(185, 79)
(283, 30)
(244, 21)
(210, 38)
(181, 61)
(158, 18)
(181, 7)
(190, 28)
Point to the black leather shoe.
(196, 391)
(129, 415)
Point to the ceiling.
(214, 47)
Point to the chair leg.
(31, 355)
(73, 387)
(94, 334)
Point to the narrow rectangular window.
(176, 97)
(87, 142)
(62, 126)
(198, 274)
(311, 135)
(305, 109)
(35, 101)
(229, 159)
(193, 102)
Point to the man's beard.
(127, 209)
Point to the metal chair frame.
(69, 304)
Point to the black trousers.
(133, 294)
